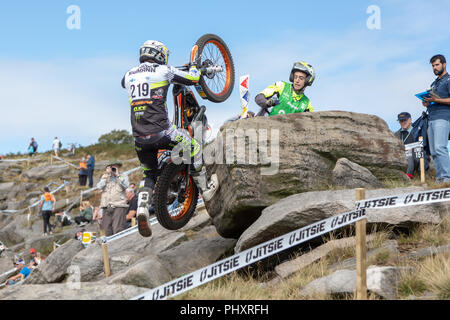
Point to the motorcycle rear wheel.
(167, 184)
(212, 50)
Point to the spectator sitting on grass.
(63, 219)
(79, 234)
(24, 272)
(86, 213)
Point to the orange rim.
(227, 66)
(187, 203)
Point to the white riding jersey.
(147, 86)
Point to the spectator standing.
(86, 214)
(83, 172)
(56, 146)
(113, 200)
(132, 201)
(90, 167)
(24, 272)
(72, 149)
(406, 136)
(32, 147)
(438, 106)
(47, 206)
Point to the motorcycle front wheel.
(214, 52)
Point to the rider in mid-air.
(147, 86)
(283, 97)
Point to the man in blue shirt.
(24, 272)
(91, 167)
(439, 118)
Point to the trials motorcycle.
(176, 195)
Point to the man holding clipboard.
(437, 102)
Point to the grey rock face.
(309, 145)
(351, 175)
(305, 208)
(46, 171)
(380, 280)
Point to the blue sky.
(65, 83)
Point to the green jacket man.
(283, 97)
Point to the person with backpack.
(407, 135)
(56, 146)
(47, 207)
(32, 147)
(83, 172)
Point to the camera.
(113, 169)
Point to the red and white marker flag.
(245, 95)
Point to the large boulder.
(148, 272)
(5, 188)
(46, 171)
(289, 154)
(54, 267)
(124, 252)
(351, 175)
(303, 209)
(191, 255)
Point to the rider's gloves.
(193, 71)
(272, 101)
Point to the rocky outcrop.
(54, 267)
(290, 154)
(191, 255)
(351, 175)
(46, 171)
(303, 209)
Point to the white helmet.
(154, 50)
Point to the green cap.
(114, 162)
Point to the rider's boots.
(207, 190)
(144, 203)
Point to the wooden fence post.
(105, 255)
(361, 274)
(106, 259)
(422, 164)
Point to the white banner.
(132, 230)
(70, 164)
(418, 144)
(57, 189)
(249, 256)
(407, 199)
